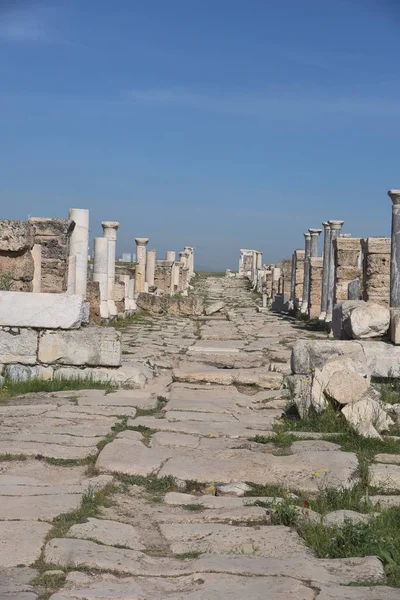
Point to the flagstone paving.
(126, 495)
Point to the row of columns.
(331, 233)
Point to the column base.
(322, 316)
(304, 309)
(328, 319)
(112, 309)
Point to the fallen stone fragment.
(238, 488)
(367, 410)
(214, 308)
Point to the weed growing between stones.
(188, 555)
(389, 389)
(155, 488)
(145, 431)
(90, 506)
(34, 385)
(379, 537)
(140, 316)
(157, 411)
(193, 507)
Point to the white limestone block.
(41, 310)
(94, 346)
(18, 346)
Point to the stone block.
(356, 319)
(54, 274)
(20, 372)
(308, 355)
(213, 308)
(376, 245)
(93, 346)
(20, 269)
(50, 227)
(347, 273)
(354, 290)
(41, 311)
(15, 236)
(18, 346)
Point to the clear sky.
(218, 124)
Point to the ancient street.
(183, 488)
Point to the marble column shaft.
(140, 273)
(335, 227)
(100, 272)
(170, 256)
(394, 195)
(292, 282)
(325, 270)
(78, 252)
(110, 233)
(150, 266)
(306, 281)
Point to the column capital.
(326, 225)
(307, 235)
(335, 224)
(142, 241)
(394, 195)
(110, 224)
(315, 231)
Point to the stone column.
(100, 272)
(110, 233)
(140, 272)
(37, 268)
(306, 280)
(325, 270)
(394, 195)
(78, 252)
(314, 241)
(335, 227)
(190, 264)
(292, 282)
(132, 301)
(259, 260)
(175, 277)
(170, 256)
(150, 267)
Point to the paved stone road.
(219, 383)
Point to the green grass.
(328, 421)
(389, 389)
(140, 316)
(145, 431)
(188, 555)
(281, 439)
(30, 386)
(379, 537)
(10, 457)
(155, 488)
(193, 507)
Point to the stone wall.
(376, 270)
(163, 276)
(53, 237)
(34, 255)
(16, 260)
(44, 335)
(347, 265)
(314, 301)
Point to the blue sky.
(219, 124)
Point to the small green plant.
(193, 507)
(188, 555)
(156, 411)
(6, 280)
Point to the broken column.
(276, 274)
(325, 270)
(306, 280)
(140, 272)
(100, 272)
(170, 256)
(335, 227)
(347, 265)
(190, 263)
(110, 233)
(150, 267)
(394, 195)
(78, 252)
